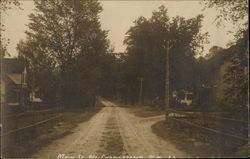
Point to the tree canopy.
(65, 39)
(146, 51)
(237, 73)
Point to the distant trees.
(146, 53)
(66, 48)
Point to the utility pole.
(167, 80)
(140, 95)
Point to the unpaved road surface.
(112, 132)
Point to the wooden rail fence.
(32, 119)
(30, 126)
(188, 118)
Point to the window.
(37, 94)
(189, 96)
(13, 96)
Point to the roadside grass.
(188, 139)
(196, 148)
(145, 111)
(48, 133)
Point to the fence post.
(204, 119)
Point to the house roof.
(16, 78)
(13, 65)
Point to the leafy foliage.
(4, 6)
(9, 4)
(41, 69)
(237, 73)
(146, 53)
(65, 40)
(229, 10)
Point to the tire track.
(112, 141)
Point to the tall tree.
(146, 48)
(69, 33)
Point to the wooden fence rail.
(201, 114)
(32, 113)
(26, 134)
(30, 126)
(177, 115)
(209, 129)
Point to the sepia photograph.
(128, 79)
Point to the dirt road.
(112, 132)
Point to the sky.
(118, 16)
